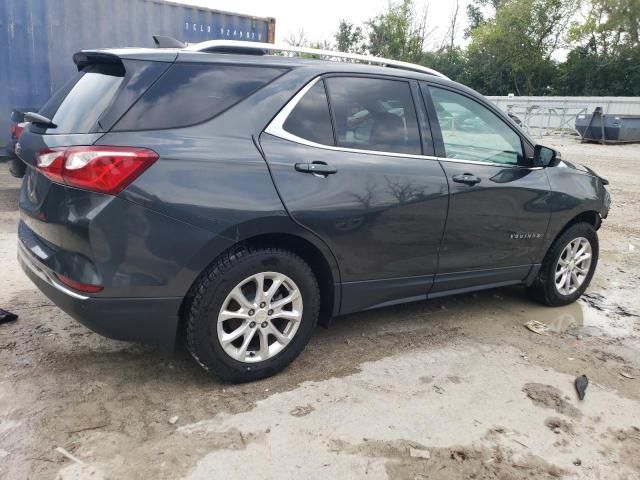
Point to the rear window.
(188, 94)
(310, 118)
(77, 106)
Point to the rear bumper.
(145, 320)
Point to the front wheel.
(253, 313)
(568, 267)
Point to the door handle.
(466, 178)
(318, 168)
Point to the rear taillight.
(82, 287)
(97, 168)
(16, 130)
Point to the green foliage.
(585, 72)
(518, 44)
(398, 33)
(349, 38)
(512, 43)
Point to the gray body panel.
(390, 228)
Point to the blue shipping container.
(39, 37)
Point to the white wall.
(541, 115)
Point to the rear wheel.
(253, 313)
(568, 267)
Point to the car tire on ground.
(240, 334)
(568, 267)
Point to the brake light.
(82, 287)
(97, 168)
(16, 130)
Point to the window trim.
(275, 128)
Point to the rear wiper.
(38, 119)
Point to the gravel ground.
(454, 388)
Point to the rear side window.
(310, 119)
(374, 114)
(78, 105)
(192, 93)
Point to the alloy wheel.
(573, 266)
(259, 317)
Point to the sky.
(320, 18)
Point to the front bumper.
(145, 320)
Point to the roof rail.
(234, 46)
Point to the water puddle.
(592, 315)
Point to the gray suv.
(242, 198)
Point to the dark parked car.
(243, 198)
(16, 166)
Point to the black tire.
(212, 289)
(543, 289)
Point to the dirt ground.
(454, 388)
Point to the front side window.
(374, 114)
(310, 118)
(471, 131)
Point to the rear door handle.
(316, 167)
(466, 178)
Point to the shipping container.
(39, 37)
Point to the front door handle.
(466, 178)
(319, 168)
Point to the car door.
(498, 208)
(361, 174)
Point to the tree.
(399, 33)
(298, 39)
(476, 13)
(519, 42)
(349, 38)
(606, 60)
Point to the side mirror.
(544, 156)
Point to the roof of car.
(182, 55)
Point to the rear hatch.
(65, 169)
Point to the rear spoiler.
(85, 57)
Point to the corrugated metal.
(611, 105)
(38, 38)
(544, 115)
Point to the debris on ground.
(581, 386)
(627, 375)
(65, 453)
(173, 420)
(537, 327)
(6, 317)
(550, 397)
(419, 453)
(302, 410)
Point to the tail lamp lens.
(82, 287)
(97, 168)
(16, 130)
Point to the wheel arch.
(279, 232)
(591, 217)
